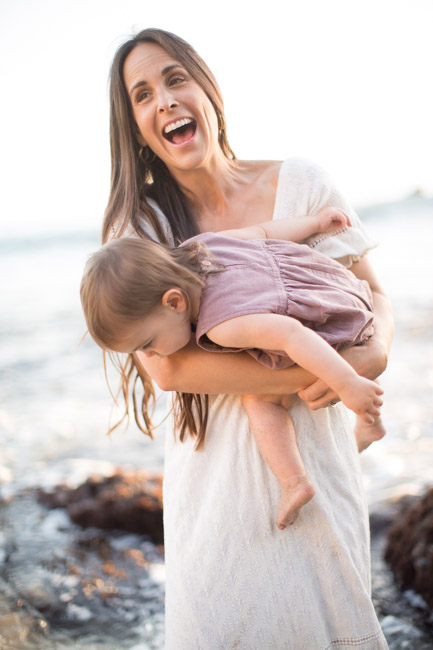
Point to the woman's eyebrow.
(171, 67)
(165, 71)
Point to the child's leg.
(275, 435)
(365, 433)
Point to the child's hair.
(125, 280)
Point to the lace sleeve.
(305, 188)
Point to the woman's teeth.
(180, 131)
(176, 125)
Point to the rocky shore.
(98, 587)
(83, 568)
(405, 616)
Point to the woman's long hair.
(133, 181)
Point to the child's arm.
(293, 229)
(370, 359)
(308, 350)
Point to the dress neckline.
(278, 191)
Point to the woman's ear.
(175, 300)
(141, 141)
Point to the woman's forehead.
(146, 59)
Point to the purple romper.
(264, 276)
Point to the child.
(244, 290)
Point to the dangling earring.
(147, 155)
(221, 123)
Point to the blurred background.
(342, 82)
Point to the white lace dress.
(234, 580)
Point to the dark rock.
(62, 586)
(126, 502)
(409, 547)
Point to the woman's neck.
(210, 189)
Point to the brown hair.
(133, 182)
(134, 179)
(125, 280)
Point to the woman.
(233, 579)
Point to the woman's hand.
(318, 395)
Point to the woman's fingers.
(318, 395)
(314, 391)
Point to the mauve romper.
(280, 277)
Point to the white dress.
(234, 580)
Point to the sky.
(345, 83)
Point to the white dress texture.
(234, 580)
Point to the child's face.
(164, 332)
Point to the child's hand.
(363, 397)
(329, 219)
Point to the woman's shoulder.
(296, 167)
(269, 173)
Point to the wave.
(30, 242)
(17, 243)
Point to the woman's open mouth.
(180, 131)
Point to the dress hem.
(354, 642)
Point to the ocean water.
(55, 406)
(402, 462)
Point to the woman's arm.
(293, 229)
(370, 359)
(194, 370)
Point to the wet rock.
(62, 586)
(402, 635)
(36, 588)
(409, 547)
(130, 502)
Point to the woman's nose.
(166, 102)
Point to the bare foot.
(296, 491)
(367, 433)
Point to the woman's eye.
(141, 96)
(176, 80)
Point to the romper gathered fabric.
(279, 277)
(234, 580)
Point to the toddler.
(251, 289)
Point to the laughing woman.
(234, 580)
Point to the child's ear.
(175, 300)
